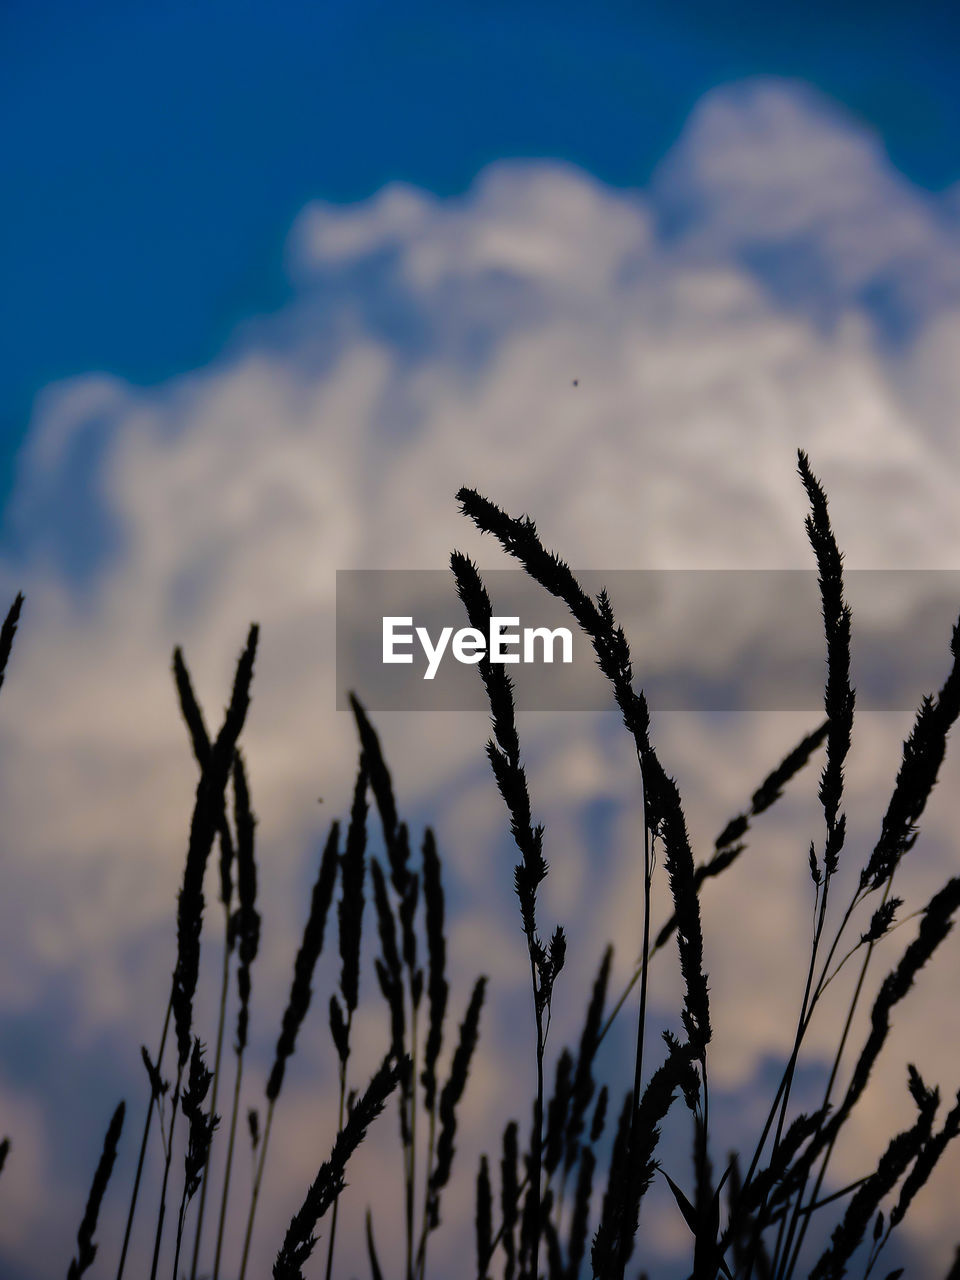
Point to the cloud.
(635, 369)
(771, 174)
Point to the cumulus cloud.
(635, 369)
(778, 178)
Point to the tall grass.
(564, 1197)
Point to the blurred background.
(276, 282)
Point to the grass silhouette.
(562, 1199)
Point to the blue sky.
(725, 222)
(155, 155)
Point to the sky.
(277, 284)
(156, 154)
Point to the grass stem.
(255, 1193)
(213, 1104)
(225, 1195)
(134, 1195)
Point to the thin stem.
(229, 1169)
(412, 1165)
(836, 1195)
(784, 1092)
(255, 1196)
(213, 1103)
(537, 1145)
(642, 1013)
(624, 995)
(143, 1146)
(336, 1203)
(431, 1148)
(803, 1026)
(622, 1000)
(858, 946)
(166, 1177)
(834, 1071)
(498, 1237)
(808, 1006)
(180, 1218)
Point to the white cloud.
(435, 343)
(770, 173)
(561, 231)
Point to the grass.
(563, 1198)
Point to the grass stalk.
(243, 932)
(255, 1192)
(224, 986)
(791, 1252)
(161, 1213)
(180, 1220)
(86, 1247)
(135, 1192)
(331, 1244)
(536, 1146)
(431, 1150)
(231, 1140)
(411, 1172)
(642, 1010)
